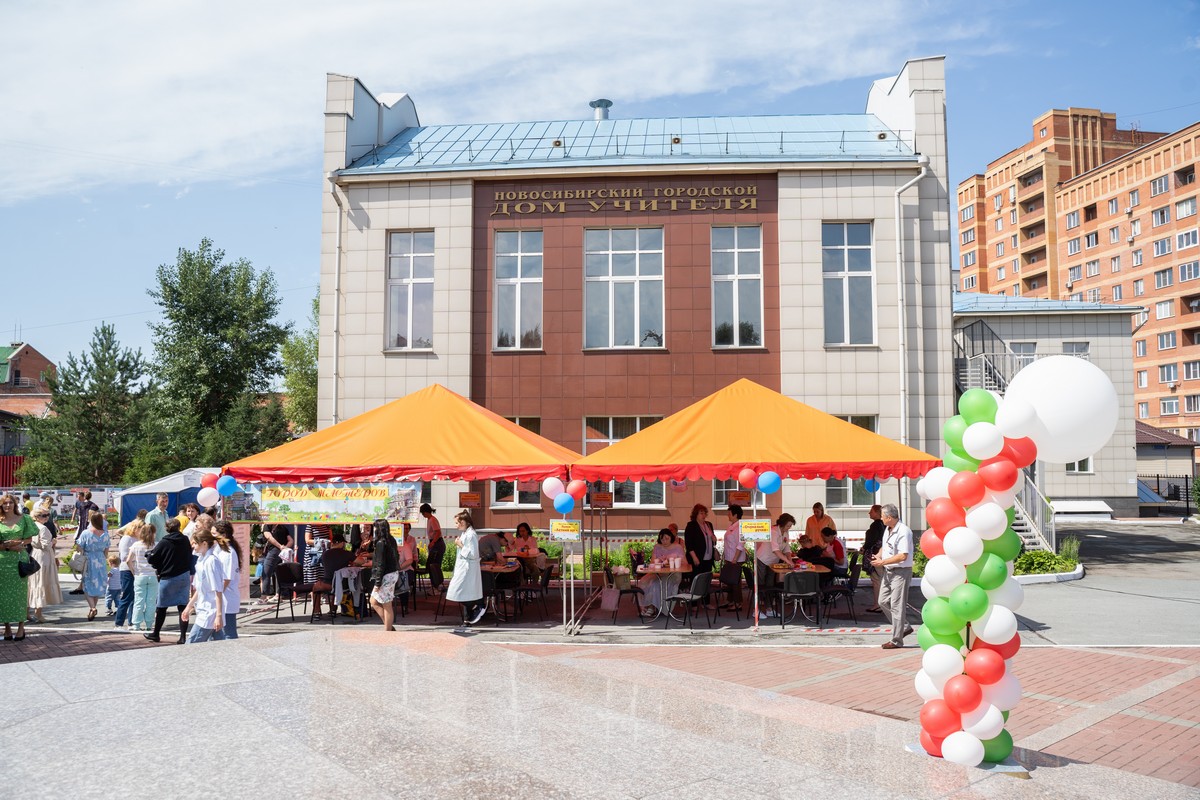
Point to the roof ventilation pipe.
(601, 108)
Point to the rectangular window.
(1162, 247)
(1113, 206)
(1016, 290)
(1117, 293)
(1166, 341)
(1093, 295)
(997, 202)
(1114, 264)
(999, 273)
(720, 498)
(1139, 287)
(1168, 373)
(1187, 239)
(1164, 309)
(517, 494)
(1135, 227)
(518, 290)
(849, 282)
(1076, 297)
(969, 282)
(1135, 198)
(1012, 216)
(600, 432)
(1185, 208)
(1091, 240)
(1160, 185)
(1142, 379)
(1073, 246)
(1191, 370)
(1137, 258)
(1191, 403)
(1024, 351)
(623, 288)
(999, 248)
(967, 213)
(967, 236)
(1160, 216)
(1139, 348)
(968, 259)
(1012, 242)
(999, 224)
(1164, 278)
(846, 492)
(737, 287)
(1092, 268)
(1072, 219)
(1074, 273)
(1143, 410)
(1168, 406)
(1078, 349)
(1189, 271)
(1083, 467)
(1114, 234)
(410, 290)
(1016, 265)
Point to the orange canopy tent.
(748, 425)
(431, 434)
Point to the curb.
(1055, 577)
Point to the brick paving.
(40, 645)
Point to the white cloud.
(144, 91)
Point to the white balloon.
(937, 482)
(982, 440)
(985, 721)
(208, 496)
(927, 688)
(1012, 568)
(1004, 694)
(1076, 404)
(988, 520)
(1004, 499)
(1009, 594)
(997, 625)
(928, 589)
(552, 487)
(944, 574)
(921, 489)
(1016, 417)
(941, 663)
(962, 546)
(961, 747)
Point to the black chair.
(831, 594)
(289, 576)
(634, 590)
(698, 593)
(798, 587)
(529, 591)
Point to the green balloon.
(977, 405)
(927, 638)
(997, 749)
(988, 572)
(968, 601)
(940, 619)
(1007, 545)
(1005, 715)
(952, 432)
(1011, 513)
(959, 462)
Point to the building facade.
(589, 277)
(23, 391)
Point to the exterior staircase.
(983, 360)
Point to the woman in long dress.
(93, 543)
(43, 584)
(466, 585)
(16, 531)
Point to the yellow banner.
(293, 492)
(756, 530)
(565, 530)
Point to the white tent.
(181, 487)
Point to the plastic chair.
(530, 590)
(633, 590)
(831, 594)
(289, 576)
(798, 587)
(698, 593)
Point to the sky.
(133, 128)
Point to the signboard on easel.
(755, 530)
(565, 530)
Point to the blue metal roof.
(616, 142)
(976, 303)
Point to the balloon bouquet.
(212, 489)
(1057, 409)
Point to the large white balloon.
(927, 688)
(988, 520)
(208, 496)
(1076, 406)
(552, 487)
(1009, 594)
(1016, 418)
(963, 546)
(944, 574)
(937, 482)
(982, 440)
(997, 625)
(985, 721)
(921, 489)
(1004, 694)
(961, 747)
(942, 662)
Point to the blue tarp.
(180, 487)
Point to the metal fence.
(1176, 490)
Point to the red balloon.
(209, 481)
(932, 746)
(1006, 650)
(748, 478)
(577, 489)
(985, 666)
(1021, 452)
(962, 693)
(999, 474)
(967, 489)
(943, 514)
(931, 544)
(939, 719)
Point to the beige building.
(587, 277)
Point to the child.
(206, 603)
(114, 585)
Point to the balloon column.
(1059, 409)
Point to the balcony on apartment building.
(1029, 187)
(1033, 238)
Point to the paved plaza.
(1111, 705)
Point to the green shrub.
(1068, 550)
(1040, 562)
(919, 562)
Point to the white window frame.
(1189, 271)
(1000, 273)
(1135, 197)
(844, 492)
(1160, 217)
(1162, 247)
(1143, 379)
(1081, 467)
(1137, 257)
(531, 489)
(592, 444)
(1072, 220)
(969, 282)
(1191, 370)
(1164, 278)
(1185, 208)
(1114, 234)
(1073, 246)
(1160, 185)
(1167, 341)
(967, 213)
(1114, 264)
(846, 314)
(646, 338)
(1168, 373)
(1191, 403)
(743, 285)
(720, 497)
(1164, 309)
(1168, 406)
(1092, 268)
(999, 248)
(1143, 410)
(1091, 240)
(1139, 348)
(1075, 273)
(1117, 293)
(1113, 205)
(409, 251)
(1135, 227)
(967, 236)
(1185, 240)
(1139, 287)
(522, 285)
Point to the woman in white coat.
(466, 585)
(43, 584)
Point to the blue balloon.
(871, 485)
(226, 485)
(769, 482)
(564, 503)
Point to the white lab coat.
(466, 585)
